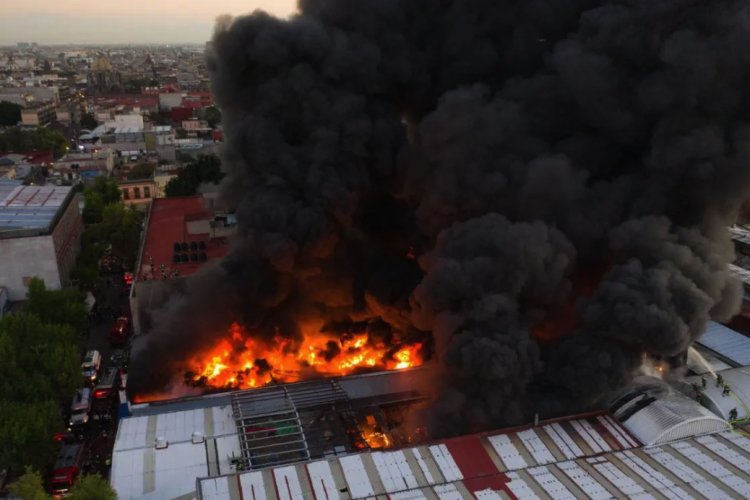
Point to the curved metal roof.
(738, 398)
(657, 414)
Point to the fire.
(242, 361)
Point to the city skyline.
(139, 21)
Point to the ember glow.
(241, 361)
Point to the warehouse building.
(40, 232)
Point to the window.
(136, 192)
(125, 194)
(146, 191)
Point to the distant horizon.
(110, 22)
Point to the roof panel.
(726, 342)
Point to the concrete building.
(40, 231)
(158, 137)
(38, 115)
(138, 192)
(181, 235)
(84, 166)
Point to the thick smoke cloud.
(564, 171)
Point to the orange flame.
(241, 361)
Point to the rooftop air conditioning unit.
(161, 443)
(198, 437)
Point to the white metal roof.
(715, 466)
(139, 470)
(738, 380)
(731, 345)
(666, 417)
(740, 234)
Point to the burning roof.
(537, 190)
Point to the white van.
(90, 366)
(80, 408)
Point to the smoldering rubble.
(563, 172)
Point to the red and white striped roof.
(507, 464)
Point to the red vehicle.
(66, 469)
(120, 331)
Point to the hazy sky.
(121, 21)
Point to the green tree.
(43, 139)
(212, 115)
(27, 431)
(207, 168)
(60, 307)
(10, 114)
(121, 228)
(92, 487)
(100, 193)
(88, 121)
(141, 171)
(42, 359)
(29, 486)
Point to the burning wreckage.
(532, 195)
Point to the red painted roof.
(167, 225)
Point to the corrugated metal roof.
(29, 207)
(141, 471)
(738, 398)
(730, 345)
(657, 414)
(715, 466)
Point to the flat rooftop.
(29, 207)
(219, 434)
(167, 225)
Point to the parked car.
(80, 409)
(66, 469)
(120, 331)
(108, 385)
(91, 365)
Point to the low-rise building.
(85, 165)
(182, 234)
(38, 115)
(137, 192)
(40, 232)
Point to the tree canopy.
(206, 168)
(38, 139)
(92, 487)
(141, 171)
(10, 113)
(61, 307)
(40, 369)
(100, 193)
(29, 486)
(212, 115)
(109, 225)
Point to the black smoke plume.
(563, 170)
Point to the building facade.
(40, 233)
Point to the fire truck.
(66, 469)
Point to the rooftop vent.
(198, 437)
(161, 443)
